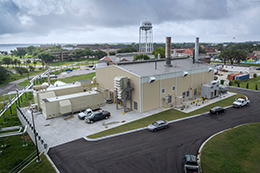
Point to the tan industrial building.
(156, 83)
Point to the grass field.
(169, 115)
(251, 83)
(233, 151)
(41, 167)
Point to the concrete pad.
(193, 107)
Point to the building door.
(170, 99)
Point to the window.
(183, 94)
(135, 106)
(173, 88)
(188, 93)
(163, 90)
(195, 92)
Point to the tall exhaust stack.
(197, 49)
(168, 52)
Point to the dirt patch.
(67, 118)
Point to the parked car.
(96, 116)
(257, 68)
(217, 110)
(224, 70)
(190, 163)
(68, 69)
(238, 103)
(88, 112)
(158, 125)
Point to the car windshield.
(192, 163)
(239, 101)
(155, 124)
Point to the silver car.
(158, 125)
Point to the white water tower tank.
(145, 36)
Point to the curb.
(204, 143)
(143, 128)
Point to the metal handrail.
(9, 104)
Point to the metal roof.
(151, 67)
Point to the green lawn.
(169, 115)
(41, 167)
(233, 151)
(251, 83)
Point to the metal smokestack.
(197, 49)
(168, 52)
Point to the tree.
(20, 52)
(220, 47)
(78, 53)
(37, 51)
(19, 62)
(34, 62)
(21, 70)
(247, 85)
(141, 57)
(256, 87)
(99, 54)
(112, 53)
(15, 62)
(88, 52)
(240, 56)
(30, 50)
(6, 61)
(28, 62)
(46, 57)
(4, 74)
(31, 68)
(127, 49)
(159, 50)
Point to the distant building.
(208, 48)
(251, 56)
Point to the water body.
(9, 47)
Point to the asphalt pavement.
(145, 151)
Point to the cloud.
(35, 20)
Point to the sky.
(118, 21)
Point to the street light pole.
(34, 130)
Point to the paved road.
(144, 151)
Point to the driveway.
(145, 151)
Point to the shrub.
(230, 83)
(238, 84)
(256, 87)
(255, 75)
(237, 81)
(247, 85)
(40, 68)
(222, 82)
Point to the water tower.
(145, 36)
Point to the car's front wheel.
(91, 122)
(166, 127)
(154, 130)
(216, 113)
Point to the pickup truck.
(238, 103)
(88, 112)
(96, 116)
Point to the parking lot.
(67, 128)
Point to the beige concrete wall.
(105, 79)
(167, 84)
(151, 96)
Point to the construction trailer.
(54, 106)
(210, 90)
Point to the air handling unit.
(123, 91)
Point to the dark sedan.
(158, 125)
(216, 110)
(190, 164)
